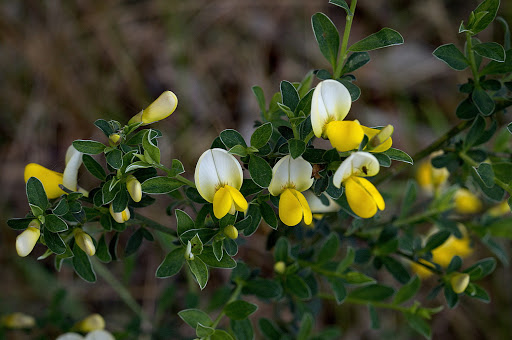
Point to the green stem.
(232, 298)
(472, 62)
(377, 304)
(186, 181)
(474, 164)
(308, 137)
(344, 43)
(296, 133)
(155, 225)
(116, 285)
(419, 217)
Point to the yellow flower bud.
(280, 267)
(161, 108)
(429, 178)
(26, 241)
(380, 140)
(459, 282)
(91, 323)
(18, 321)
(114, 139)
(84, 241)
(499, 210)
(231, 232)
(466, 202)
(120, 217)
(134, 188)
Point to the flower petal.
(373, 132)
(319, 114)
(306, 211)
(205, 176)
(27, 240)
(161, 108)
(50, 179)
(238, 199)
(222, 203)
(344, 135)
(290, 209)
(362, 197)
(331, 101)
(360, 164)
(280, 176)
(317, 206)
(300, 172)
(228, 168)
(73, 162)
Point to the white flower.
(84, 241)
(134, 188)
(120, 217)
(331, 102)
(317, 206)
(73, 162)
(26, 241)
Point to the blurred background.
(64, 64)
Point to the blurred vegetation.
(66, 63)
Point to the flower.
(26, 241)
(218, 177)
(134, 188)
(378, 140)
(18, 321)
(429, 178)
(329, 106)
(499, 210)
(289, 178)
(317, 206)
(459, 282)
(91, 323)
(120, 217)
(231, 232)
(52, 179)
(94, 335)
(466, 202)
(84, 241)
(362, 196)
(160, 109)
(280, 267)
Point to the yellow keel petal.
(290, 209)
(238, 199)
(306, 211)
(222, 203)
(50, 179)
(344, 135)
(362, 197)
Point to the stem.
(308, 137)
(232, 298)
(419, 217)
(472, 62)
(155, 225)
(346, 33)
(474, 164)
(364, 302)
(186, 181)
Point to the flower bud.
(280, 267)
(231, 232)
(120, 217)
(188, 252)
(26, 241)
(91, 323)
(114, 139)
(466, 202)
(134, 188)
(381, 137)
(161, 108)
(84, 241)
(499, 210)
(18, 321)
(459, 282)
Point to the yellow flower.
(160, 109)
(329, 106)
(91, 323)
(430, 179)
(134, 188)
(26, 241)
(362, 196)
(218, 177)
(499, 210)
(18, 321)
(459, 282)
(84, 241)
(289, 178)
(466, 202)
(231, 232)
(378, 140)
(120, 217)
(280, 267)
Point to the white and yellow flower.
(134, 188)
(120, 217)
(362, 196)
(218, 177)
(431, 179)
(84, 241)
(26, 241)
(91, 323)
(289, 178)
(160, 109)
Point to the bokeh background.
(64, 64)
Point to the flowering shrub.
(313, 201)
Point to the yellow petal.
(466, 202)
(91, 323)
(362, 196)
(18, 321)
(222, 202)
(308, 216)
(50, 179)
(372, 133)
(85, 242)
(344, 135)
(231, 232)
(238, 199)
(161, 108)
(420, 270)
(290, 209)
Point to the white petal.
(70, 336)
(336, 99)
(319, 113)
(280, 176)
(359, 163)
(99, 334)
(300, 173)
(228, 168)
(316, 205)
(73, 162)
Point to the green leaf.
(281, 249)
(396, 269)
(383, 159)
(172, 263)
(54, 242)
(383, 38)
(239, 310)
(374, 292)
(501, 228)
(418, 324)
(306, 327)
(329, 248)
(408, 291)
(495, 67)
(194, 316)
(409, 198)
(200, 271)
(481, 268)
(231, 138)
(115, 158)
(104, 126)
(268, 215)
(94, 167)
(262, 288)
(484, 170)
(197, 245)
(218, 250)
(298, 287)
(160, 185)
(242, 329)
(82, 265)
(474, 133)
(204, 332)
(489, 6)
(338, 287)
(490, 50)
(483, 101)
(261, 135)
(254, 212)
(134, 242)
(477, 292)
(297, 147)
(289, 95)
(219, 334)
(269, 329)
(466, 109)
(327, 37)
(260, 171)
(355, 61)
(342, 4)
(54, 223)
(436, 240)
(102, 250)
(374, 317)
(90, 147)
(347, 261)
(357, 278)
(209, 258)
(19, 223)
(260, 98)
(452, 56)
(151, 151)
(36, 194)
(398, 155)
(120, 202)
(238, 150)
(305, 105)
